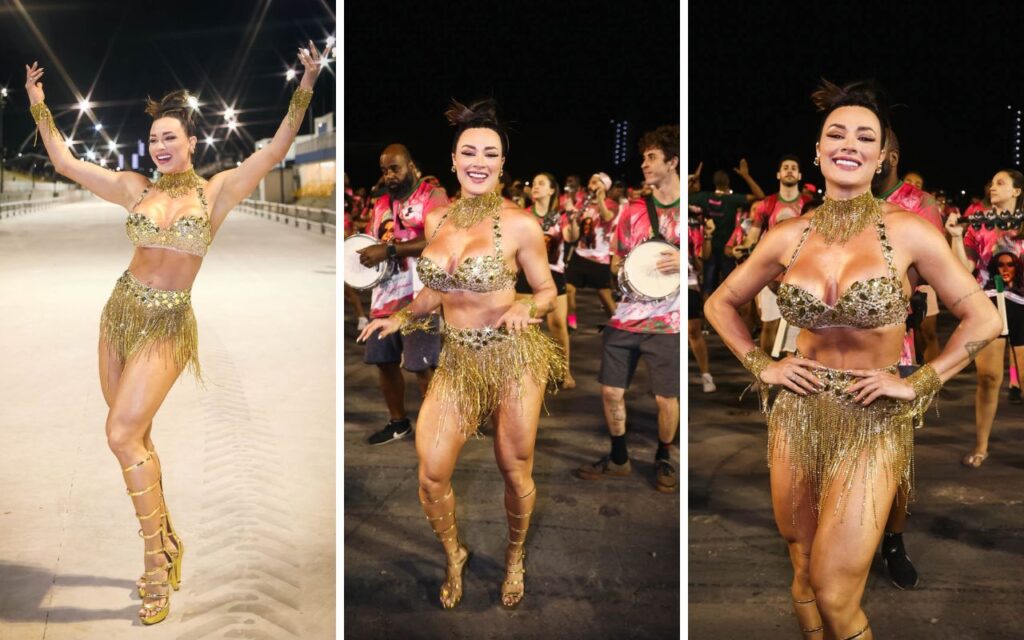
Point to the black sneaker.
(665, 476)
(1015, 395)
(897, 564)
(392, 431)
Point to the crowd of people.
(468, 279)
(841, 287)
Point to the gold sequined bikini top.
(479, 274)
(188, 234)
(867, 304)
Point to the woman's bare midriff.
(469, 310)
(849, 348)
(165, 268)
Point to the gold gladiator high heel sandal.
(513, 589)
(155, 593)
(451, 588)
(179, 546)
(813, 625)
(860, 634)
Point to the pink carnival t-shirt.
(596, 234)
(914, 200)
(634, 227)
(397, 291)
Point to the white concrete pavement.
(249, 461)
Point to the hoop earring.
(879, 169)
(453, 168)
(501, 173)
(816, 162)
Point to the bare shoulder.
(515, 217)
(904, 225)
(790, 230)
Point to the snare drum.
(355, 274)
(640, 277)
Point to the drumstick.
(780, 337)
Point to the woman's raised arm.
(119, 187)
(233, 185)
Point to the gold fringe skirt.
(827, 436)
(480, 368)
(139, 319)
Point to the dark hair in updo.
(173, 105)
(482, 114)
(862, 93)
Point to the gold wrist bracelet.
(925, 381)
(407, 325)
(755, 361)
(42, 116)
(297, 107)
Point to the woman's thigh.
(515, 422)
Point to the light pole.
(3, 149)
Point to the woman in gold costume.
(495, 363)
(840, 433)
(147, 330)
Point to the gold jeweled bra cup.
(478, 274)
(188, 234)
(867, 304)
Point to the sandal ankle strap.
(441, 499)
(138, 464)
(135, 494)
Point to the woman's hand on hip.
(795, 374)
(517, 318)
(878, 384)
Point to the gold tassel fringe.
(480, 368)
(139, 319)
(827, 435)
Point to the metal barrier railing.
(292, 214)
(20, 207)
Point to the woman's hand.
(517, 318)
(310, 59)
(387, 326)
(877, 384)
(795, 374)
(953, 227)
(33, 87)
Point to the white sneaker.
(708, 383)
(361, 324)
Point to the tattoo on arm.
(963, 297)
(973, 348)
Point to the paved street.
(603, 557)
(248, 461)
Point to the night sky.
(226, 52)
(753, 66)
(560, 72)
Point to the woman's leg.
(989, 365)
(515, 437)
(570, 300)
(844, 546)
(797, 524)
(560, 330)
(437, 448)
(141, 388)
(607, 301)
(698, 345)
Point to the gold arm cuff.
(42, 116)
(408, 325)
(755, 361)
(297, 107)
(926, 384)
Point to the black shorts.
(523, 286)
(584, 273)
(622, 351)
(416, 352)
(694, 305)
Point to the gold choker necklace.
(836, 221)
(470, 210)
(178, 184)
